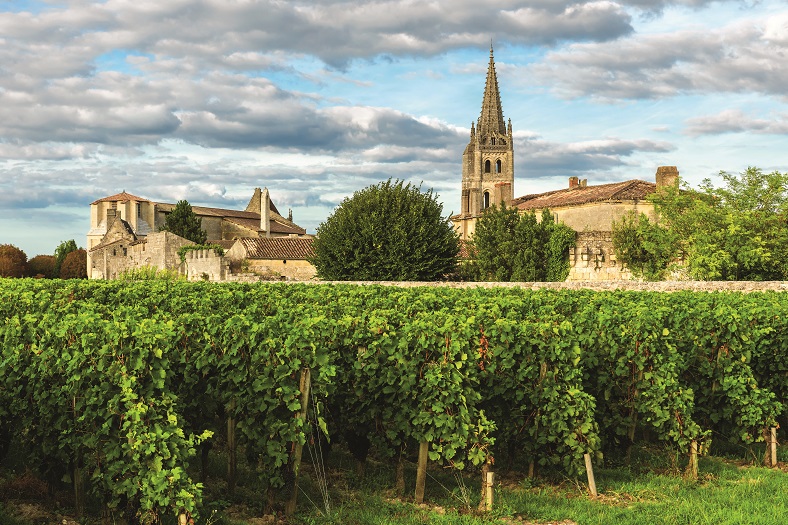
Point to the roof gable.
(121, 197)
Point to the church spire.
(491, 119)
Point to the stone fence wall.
(662, 286)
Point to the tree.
(75, 266)
(389, 231)
(184, 222)
(42, 266)
(63, 249)
(736, 232)
(13, 261)
(507, 246)
(646, 248)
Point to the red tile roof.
(121, 197)
(578, 195)
(276, 227)
(278, 247)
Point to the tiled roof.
(578, 195)
(226, 244)
(121, 197)
(278, 247)
(211, 212)
(276, 227)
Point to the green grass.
(651, 491)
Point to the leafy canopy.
(62, 250)
(507, 246)
(41, 266)
(184, 222)
(736, 232)
(645, 247)
(390, 231)
(13, 261)
(75, 265)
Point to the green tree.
(646, 248)
(42, 266)
(507, 246)
(75, 266)
(390, 231)
(63, 249)
(735, 232)
(184, 222)
(13, 261)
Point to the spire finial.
(491, 48)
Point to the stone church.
(488, 178)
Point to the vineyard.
(121, 388)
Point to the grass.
(651, 491)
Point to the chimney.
(574, 182)
(667, 176)
(112, 214)
(265, 212)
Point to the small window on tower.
(486, 203)
(486, 166)
(498, 166)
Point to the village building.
(590, 210)
(124, 235)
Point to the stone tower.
(488, 160)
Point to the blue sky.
(206, 100)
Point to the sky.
(205, 100)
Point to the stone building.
(278, 258)
(124, 234)
(488, 178)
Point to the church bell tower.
(488, 160)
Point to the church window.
(493, 141)
(498, 166)
(486, 166)
(486, 203)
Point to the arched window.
(498, 166)
(493, 141)
(486, 166)
(486, 203)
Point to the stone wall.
(158, 250)
(640, 286)
(206, 265)
(593, 259)
(290, 269)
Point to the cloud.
(746, 56)
(337, 32)
(546, 159)
(735, 121)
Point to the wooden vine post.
(590, 474)
(421, 471)
(488, 482)
(772, 451)
(299, 448)
(692, 467)
(231, 448)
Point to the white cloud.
(744, 56)
(735, 121)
